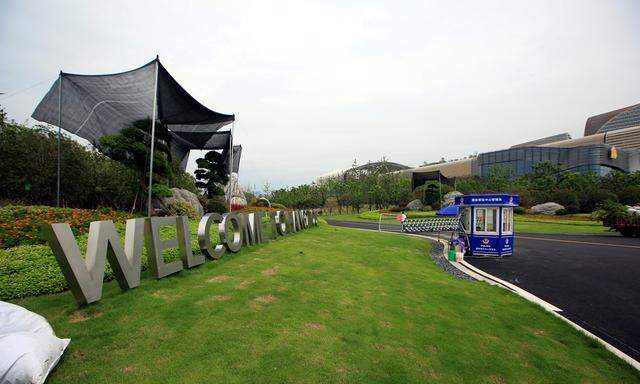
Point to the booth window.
(486, 220)
(480, 219)
(507, 221)
(466, 218)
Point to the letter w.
(85, 277)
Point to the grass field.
(569, 224)
(323, 305)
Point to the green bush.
(596, 198)
(610, 212)
(161, 190)
(216, 206)
(278, 206)
(630, 195)
(562, 212)
(519, 210)
(88, 178)
(181, 208)
(183, 180)
(568, 199)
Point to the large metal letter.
(273, 221)
(85, 277)
(295, 216)
(184, 243)
(204, 236)
(231, 225)
(246, 220)
(291, 221)
(282, 223)
(257, 227)
(155, 246)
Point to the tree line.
(377, 188)
(374, 187)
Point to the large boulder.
(179, 195)
(415, 205)
(450, 198)
(549, 208)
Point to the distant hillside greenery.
(377, 189)
(89, 179)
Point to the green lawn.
(558, 225)
(569, 224)
(323, 305)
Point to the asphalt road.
(594, 279)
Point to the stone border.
(438, 255)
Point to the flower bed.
(22, 224)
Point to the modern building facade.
(611, 142)
(597, 158)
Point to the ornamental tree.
(131, 148)
(212, 173)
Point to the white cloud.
(316, 84)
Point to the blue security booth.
(488, 222)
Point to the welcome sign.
(85, 276)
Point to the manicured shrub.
(181, 208)
(216, 206)
(519, 210)
(161, 190)
(562, 212)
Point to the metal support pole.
(59, 139)
(153, 134)
(231, 163)
(440, 189)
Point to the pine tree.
(212, 173)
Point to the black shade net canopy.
(92, 106)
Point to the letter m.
(85, 276)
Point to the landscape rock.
(179, 195)
(450, 198)
(415, 205)
(549, 208)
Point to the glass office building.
(600, 159)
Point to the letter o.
(231, 224)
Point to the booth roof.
(451, 210)
(92, 106)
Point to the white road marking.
(578, 242)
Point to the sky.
(316, 86)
